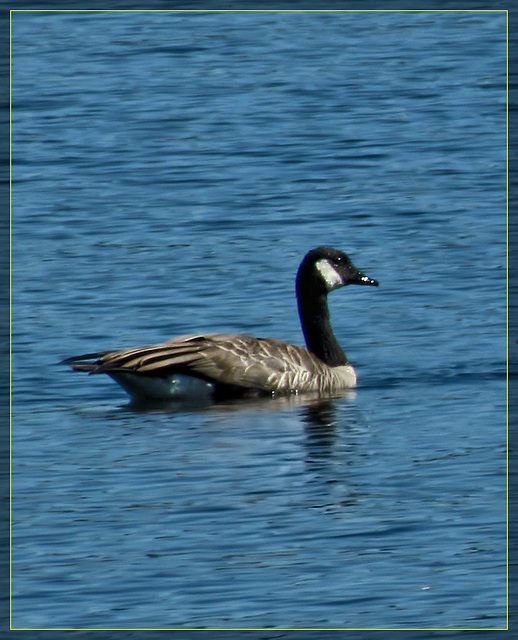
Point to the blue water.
(169, 173)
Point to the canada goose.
(225, 365)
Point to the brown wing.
(259, 363)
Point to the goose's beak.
(361, 278)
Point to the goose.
(233, 365)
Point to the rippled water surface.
(169, 172)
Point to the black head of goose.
(226, 365)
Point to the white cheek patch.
(330, 275)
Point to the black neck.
(316, 325)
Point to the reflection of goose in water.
(309, 403)
(320, 426)
(227, 365)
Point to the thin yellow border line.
(10, 329)
(507, 308)
(10, 315)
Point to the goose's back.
(267, 365)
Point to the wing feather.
(265, 364)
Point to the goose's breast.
(337, 379)
(319, 377)
(345, 376)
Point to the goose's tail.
(79, 363)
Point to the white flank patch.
(154, 388)
(331, 276)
